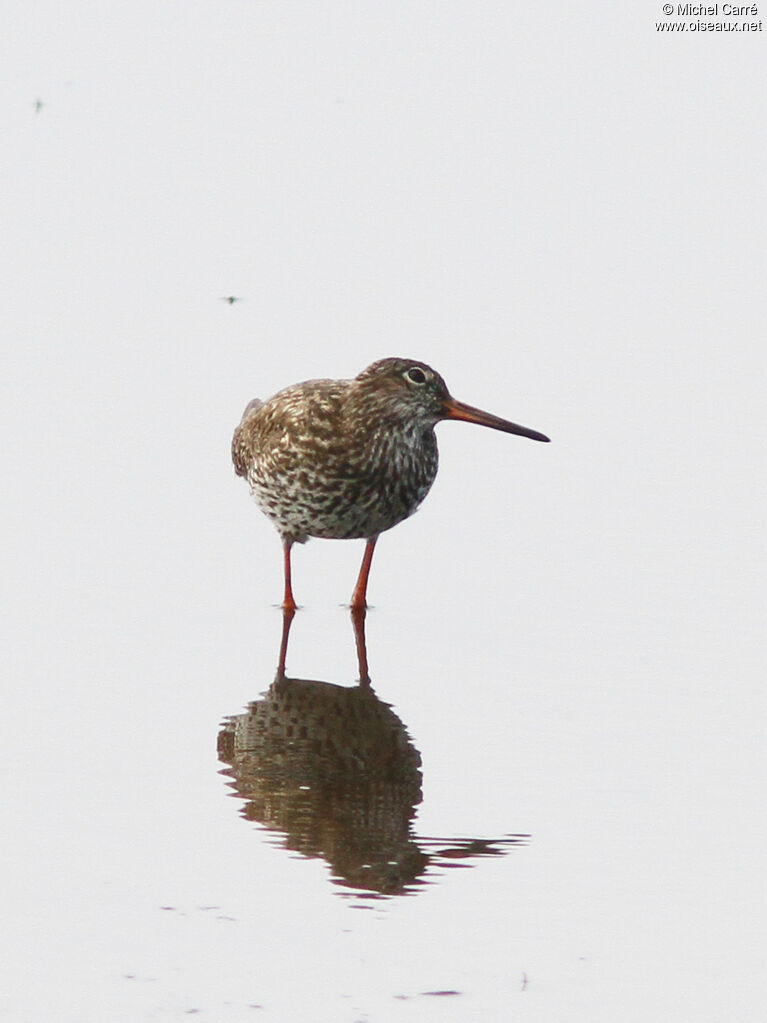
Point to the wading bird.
(344, 459)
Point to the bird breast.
(318, 468)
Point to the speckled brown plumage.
(340, 459)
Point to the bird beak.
(466, 413)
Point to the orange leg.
(287, 617)
(288, 603)
(360, 590)
(358, 623)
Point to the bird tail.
(239, 452)
(253, 404)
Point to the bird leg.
(288, 614)
(358, 623)
(360, 590)
(288, 603)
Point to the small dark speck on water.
(439, 994)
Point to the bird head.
(414, 390)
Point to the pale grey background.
(561, 209)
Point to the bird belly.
(339, 505)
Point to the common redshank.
(345, 459)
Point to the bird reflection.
(333, 770)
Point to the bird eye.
(416, 375)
